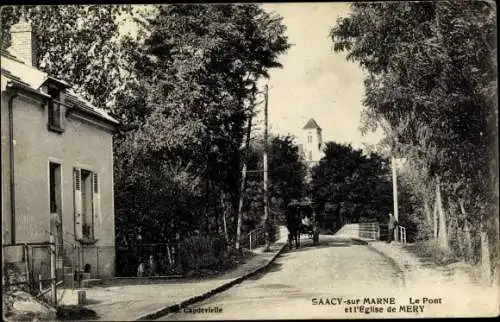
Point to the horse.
(293, 225)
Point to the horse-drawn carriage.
(301, 219)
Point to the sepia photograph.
(250, 161)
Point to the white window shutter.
(77, 191)
(97, 200)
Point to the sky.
(315, 82)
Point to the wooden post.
(250, 241)
(40, 283)
(53, 269)
(266, 194)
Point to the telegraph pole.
(266, 204)
(266, 197)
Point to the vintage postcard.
(249, 161)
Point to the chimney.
(23, 42)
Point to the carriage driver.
(306, 221)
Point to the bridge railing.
(374, 231)
(256, 238)
(400, 234)
(369, 230)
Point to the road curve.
(304, 283)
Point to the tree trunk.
(206, 225)
(224, 214)
(243, 181)
(467, 244)
(435, 218)
(496, 246)
(443, 242)
(485, 254)
(427, 211)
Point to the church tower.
(313, 142)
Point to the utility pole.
(266, 204)
(266, 196)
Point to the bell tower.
(313, 142)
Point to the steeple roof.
(311, 124)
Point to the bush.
(14, 275)
(205, 252)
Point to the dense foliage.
(75, 43)
(286, 175)
(198, 66)
(349, 186)
(431, 84)
(181, 87)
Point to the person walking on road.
(391, 227)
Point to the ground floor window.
(54, 187)
(87, 203)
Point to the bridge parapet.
(361, 230)
(372, 231)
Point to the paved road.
(337, 268)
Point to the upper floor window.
(309, 139)
(56, 111)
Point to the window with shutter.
(77, 193)
(56, 111)
(87, 205)
(97, 201)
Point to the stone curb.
(176, 307)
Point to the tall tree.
(287, 175)
(76, 43)
(431, 70)
(198, 67)
(351, 186)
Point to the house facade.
(57, 162)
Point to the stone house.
(57, 163)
